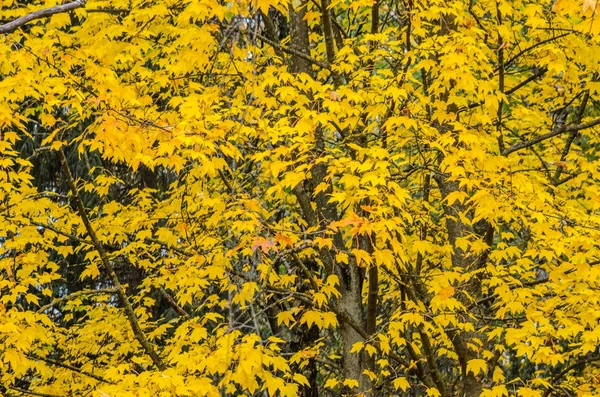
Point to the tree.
(266, 198)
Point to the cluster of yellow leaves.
(234, 132)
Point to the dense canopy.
(304, 198)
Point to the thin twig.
(74, 295)
(67, 366)
(32, 393)
(62, 233)
(115, 11)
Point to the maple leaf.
(401, 383)
(188, 192)
(476, 366)
(265, 244)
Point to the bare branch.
(150, 240)
(523, 83)
(512, 90)
(147, 240)
(44, 13)
(114, 11)
(571, 138)
(540, 138)
(538, 44)
(174, 304)
(307, 272)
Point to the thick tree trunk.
(350, 303)
(351, 275)
(299, 39)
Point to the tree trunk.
(351, 275)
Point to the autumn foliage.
(305, 198)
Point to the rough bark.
(350, 303)
(299, 39)
(351, 275)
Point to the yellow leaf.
(334, 96)
(527, 392)
(273, 385)
(246, 293)
(357, 347)
(351, 383)
(496, 391)
(301, 379)
(362, 257)
(498, 376)
(56, 145)
(433, 392)
(329, 320)
(284, 318)
(341, 257)
(401, 383)
(445, 293)
(476, 366)
(311, 317)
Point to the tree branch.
(114, 11)
(501, 70)
(307, 272)
(565, 151)
(174, 304)
(78, 294)
(538, 44)
(520, 85)
(328, 36)
(32, 393)
(44, 13)
(67, 366)
(436, 375)
(271, 32)
(565, 371)
(538, 139)
(294, 52)
(133, 321)
(58, 231)
(534, 76)
(150, 240)
(147, 240)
